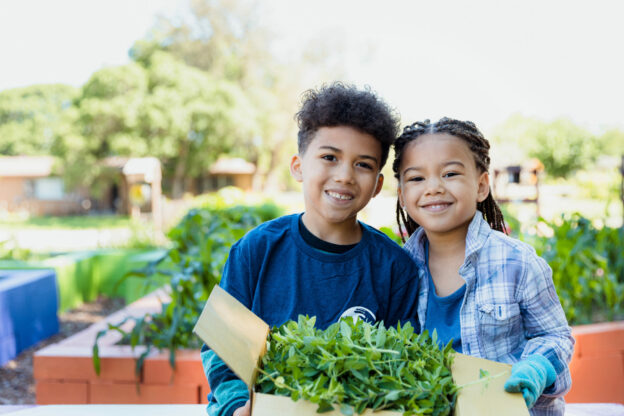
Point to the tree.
(612, 142)
(560, 145)
(228, 39)
(32, 117)
(159, 107)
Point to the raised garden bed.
(597, 365)
(64, 371)
(28, 305)
(83, 276)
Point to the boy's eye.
(330, 158)
(415, 179)
(450, 174)
(365, 165)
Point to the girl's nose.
(433, 186)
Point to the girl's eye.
(330, 158)
(365, 165)
(450, 174)
(415, 179)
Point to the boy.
(323, 262)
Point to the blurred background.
(140, 139)
(119, 107)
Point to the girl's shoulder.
(502, 243)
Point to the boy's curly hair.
(338, 104)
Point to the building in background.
(129, 186)
(29, 184)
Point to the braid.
(480, 148)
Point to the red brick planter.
(64, 371)
(597, 366)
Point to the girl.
(491, 294)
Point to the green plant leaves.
(353, 365)
(588, 268)
(201, 244)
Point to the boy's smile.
(440, 184)
(340, 174)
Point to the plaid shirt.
(510, 309)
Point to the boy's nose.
(344, 174)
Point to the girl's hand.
(242, 411)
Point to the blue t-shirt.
(278, 276)
(443, 311)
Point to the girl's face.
(440, 184)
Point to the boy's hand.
(242, 411)
(531, 376)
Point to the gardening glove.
(531, 376)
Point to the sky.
(481, 60)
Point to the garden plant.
(354, 365)
(200, 247)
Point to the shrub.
(588, 268)
(200, 247)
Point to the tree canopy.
(562, 146)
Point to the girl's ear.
(400, 195)
(295, 168)
(483, 189)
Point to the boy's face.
(340, 173)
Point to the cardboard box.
(238, 336)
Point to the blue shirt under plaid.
(510, 309)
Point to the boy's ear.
(295, 168)
(380, 180)
(484, 187)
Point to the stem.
(481, 380)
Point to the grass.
(70, 222)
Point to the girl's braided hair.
(466, 131)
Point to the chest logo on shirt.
(359, 312)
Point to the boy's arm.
(228, 392)
(545, 324)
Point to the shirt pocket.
(499, 321)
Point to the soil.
(17, 385)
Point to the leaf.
(345, 330)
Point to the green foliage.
(355, 365)
(10, 251)
(391, 234)
(32, 118)
(612, 142)
(67, 222)
(560, 145)
(200, 247)
(588, 268)
(159, 107)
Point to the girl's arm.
(545, 324)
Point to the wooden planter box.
(64, 371)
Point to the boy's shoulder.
(384, 246)
(269, 231)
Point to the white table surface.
(585, 409)
(114, 410)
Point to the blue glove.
(531, 376)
